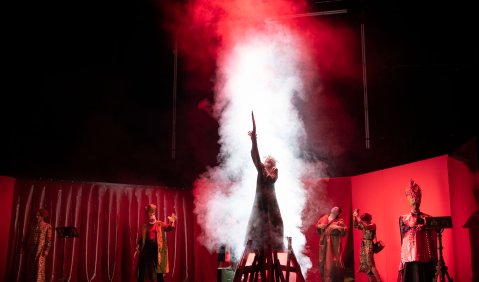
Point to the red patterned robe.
(418, 249)
(331, 264)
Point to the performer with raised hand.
(265, 226)
(367, 265)
(153, 247)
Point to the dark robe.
(265, 226)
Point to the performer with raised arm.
(152, 246)
(367, 265)
(265, 226)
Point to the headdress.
(150, 208)
(413, 192)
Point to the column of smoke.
(261, 73)
(262, 66)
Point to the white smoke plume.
(264, 72)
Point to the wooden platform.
(268, 265)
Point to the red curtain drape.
(108, 217)
(6, 194)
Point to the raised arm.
(357, 223)
(254, 145)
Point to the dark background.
(88, 87)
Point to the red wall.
(381, 193)
(6, 199)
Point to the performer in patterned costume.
(37, 245)
(366, 255)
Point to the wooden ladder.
(266, 265)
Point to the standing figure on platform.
(37, 245)
(152, 246)
(265, 226)
(366, 255)
(418, 244)
(331, 228)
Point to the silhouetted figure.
(265, 226)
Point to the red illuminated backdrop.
(381, 193)
(108, 216)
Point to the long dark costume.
(265, 226)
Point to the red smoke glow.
(258, 52)
(204, 29)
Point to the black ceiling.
(87, 92)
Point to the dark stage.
(108, 106)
